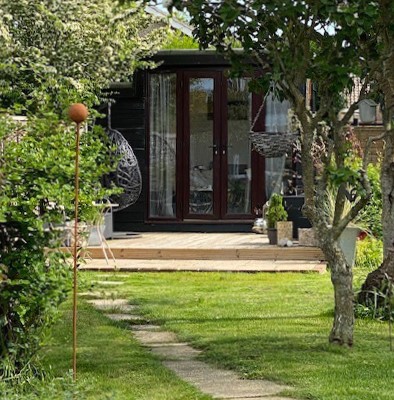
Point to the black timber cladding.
(128, 117)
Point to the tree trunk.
(343, 325)
(342, 280)
(387, 185)
(341, 273)
(377, 281)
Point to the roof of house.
(175, 23)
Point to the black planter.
(272, 235)
(293, 206)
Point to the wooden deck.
(202, 246)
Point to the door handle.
(225, 148)
(215, 149)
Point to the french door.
(216, 153)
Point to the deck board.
(203, 246)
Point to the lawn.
(272, 326)
(111, 364)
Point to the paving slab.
(124, 317)
(146, 327)
(176, 352)
(222, 384)
(98, 295)
(108, 302)
(149, 337)
(112, 304)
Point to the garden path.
(182, 359)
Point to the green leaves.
(37, 193)
(55, 52)
(229, 11)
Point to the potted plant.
(275, 213)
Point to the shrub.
(37, 195)
(46, 389)
(369, 255)
(371, 216)
(276, 211)
(376, 304)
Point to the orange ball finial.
(78, 112)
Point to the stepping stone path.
(182, 359)
(120, 305)
(124, 317)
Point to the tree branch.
(337, 230)
(368, 145)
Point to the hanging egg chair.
(127, 175)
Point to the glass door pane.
(162, 146)
(201, 150)
(239, 175)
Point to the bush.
(46, 389)
(376, 304)
(276, 210)
(369, 255)
(371, 216)
(37, 195)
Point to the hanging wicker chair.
(270, 144)
(128, 174)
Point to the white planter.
(95, 239)
(106, 231)
(347, 241)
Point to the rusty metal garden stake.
(78, 113)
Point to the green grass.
(111, 365)
(110, 362)
(272, 326)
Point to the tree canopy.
(54, 52)
(328, 42)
